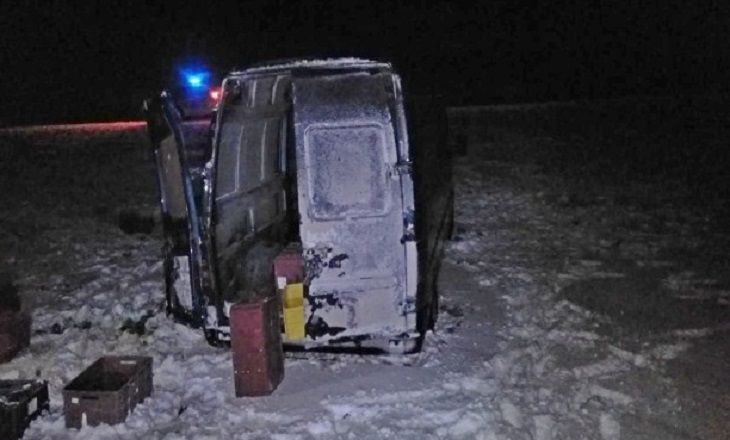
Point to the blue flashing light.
(195, 80)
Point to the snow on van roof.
(326, 63)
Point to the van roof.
(327, 64)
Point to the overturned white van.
(311, 160)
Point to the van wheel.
(433, 309)
(450, 226)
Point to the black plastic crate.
(21, 401)
(107, 391)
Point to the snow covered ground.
(575, 303)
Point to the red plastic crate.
(21, 401)
(258, 357)
(107, 391)
(289, 264)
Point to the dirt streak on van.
(314, 156)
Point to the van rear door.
(180, 221)
(351, 206)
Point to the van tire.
(434, 306)
(451, 226)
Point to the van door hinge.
(402, 168)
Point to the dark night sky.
(96, 60)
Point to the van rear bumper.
(354, 307)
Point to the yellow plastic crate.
(294, 311)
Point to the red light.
(215, 93)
